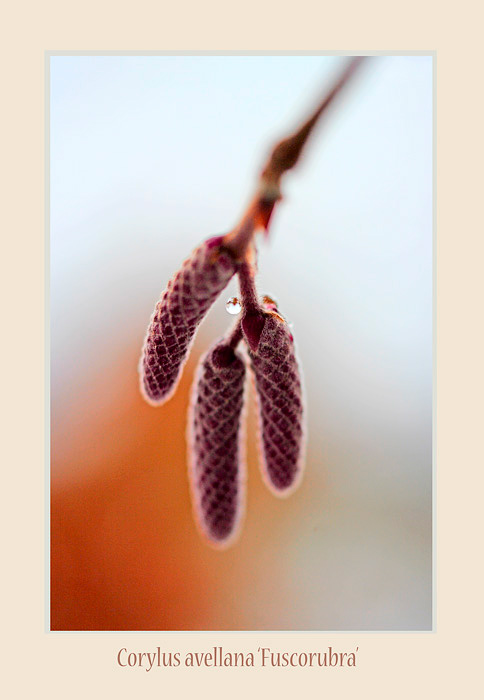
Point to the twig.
(284, 156)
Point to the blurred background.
(150, 155)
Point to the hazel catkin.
(216, 465)
(279, 395)
(181, 308)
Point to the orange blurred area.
(125, 552)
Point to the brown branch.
(284, 156)
(286, 153)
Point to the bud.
(183, 305)
(216, 465)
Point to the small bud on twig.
(284, 157)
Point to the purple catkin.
(279, 395)
(181, 308)
(217, 472)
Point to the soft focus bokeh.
(150, 155)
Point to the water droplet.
(269, 302)
(233, 306)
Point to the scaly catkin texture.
(182, 306)
(279, 394)
(217, 471)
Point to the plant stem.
(235, 337)
(248, 291)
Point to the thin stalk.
(235, 337)
(248, 291)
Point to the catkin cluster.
(216, 464)
(215, 420)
